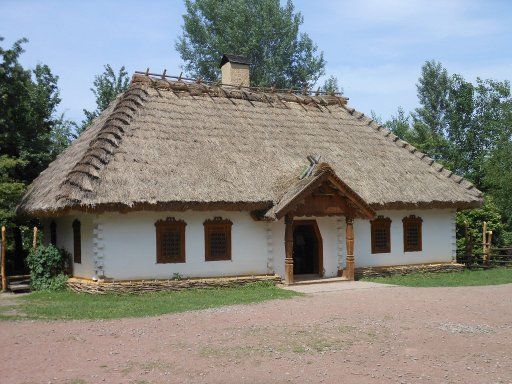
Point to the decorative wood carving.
(217, 239)
(349, 268)
(412, 233)
(170, 241)
(381, 235)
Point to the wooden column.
(348, 273)
(4, 276)
(288, 249)
(34, 238)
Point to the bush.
(475, 218)
(46, 264)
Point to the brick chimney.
(235, 70)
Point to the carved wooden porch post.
(288, 249)
(349, 269)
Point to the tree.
(28, 131)
(429, 120)
(331, 85)
(498, 179)
(263, 30)
(106, 87)
(399, 125)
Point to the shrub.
(46, 264)
(475, 218)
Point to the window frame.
(217, 224)
(408, 221)
(77, 241)
(53, 233)
(381, 222)
(162, 226)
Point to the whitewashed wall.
(86, 268)
(130, 246)
(438, 231)
(123, 246)
(438, 241)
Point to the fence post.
(4, 276)
(484, 243)
(489, 242)
(469, 245)
(34, 241)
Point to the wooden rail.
(483, 254)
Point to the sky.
(374, 47)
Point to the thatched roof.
(175, 145)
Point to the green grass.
(450, 279)
(69, 305)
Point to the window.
(381, 235)
(170, 241)
(412, 233)
(217, 239)
(53, 233)
(77, 242)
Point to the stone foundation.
(407, 269)
(138, 286)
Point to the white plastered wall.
(129, 246)
(438, 238)
(123, 246)
(438, 231)
(86, 268)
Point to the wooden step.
(19, 286)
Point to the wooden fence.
(483, 253)
(13, 283)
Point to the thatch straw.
(177, 145)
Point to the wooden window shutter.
(170, 241)
(381, 235)
(412, 233)
(53, 233)
(217, 239)
(77, 242)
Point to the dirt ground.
(378, 335)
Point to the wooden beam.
(34, 239)
(348, 273)
(2, 271)
(288, 249)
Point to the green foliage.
(70, 305)
(46, 264)
(106, 88)
(399, 124)
(459, 123)
(498, 179)
(331, 85)
(468, 128)
(30, 133)
(450, 279)
(262, 30)
(489, 213)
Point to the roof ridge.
(197, 88)
(390, 136)
(86, 172)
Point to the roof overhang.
(302, 194)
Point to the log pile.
(407, 269)
(139, 286)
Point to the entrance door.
(307, 248)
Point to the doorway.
(307, 248)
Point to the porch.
(319, 193)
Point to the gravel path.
(379, 335)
